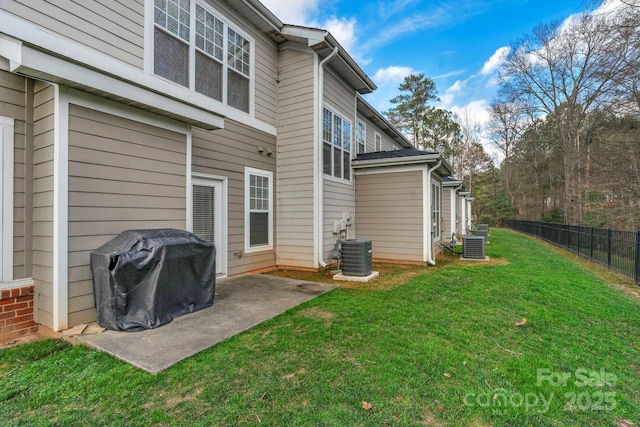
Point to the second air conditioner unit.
(473, 247)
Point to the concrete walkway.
(240, 303)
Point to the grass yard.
(430, 346)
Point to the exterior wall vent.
(473, 247)
(356, 257)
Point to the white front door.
(209, 216)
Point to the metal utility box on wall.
(473, 247)
(356, 257)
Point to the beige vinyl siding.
(43, 126)
(389, 213)
(294, 189)
(338, 198)
(226, 153)
(13, 100)
(113, 27)
(122, 175)
(265, 83)
(339, 195)
(447, 227)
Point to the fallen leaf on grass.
(522, 322)
(366, 405)
(441, 408)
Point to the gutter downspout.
(430, 259)
(319, 165)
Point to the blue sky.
(456, 43)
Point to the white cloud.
(295, 12)
(343, 30)
(449, 74)
(495, 61)
(392, 75)
(476, 111)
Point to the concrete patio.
(240, 303)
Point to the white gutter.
(429, 229)
(318, 165)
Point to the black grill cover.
(142, 279)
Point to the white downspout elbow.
(430, 258)
(319, 167)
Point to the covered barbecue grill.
(143, 279)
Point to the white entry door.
(209, 216)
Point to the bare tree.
(564, 71)
(506, 127)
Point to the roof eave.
(323, 43)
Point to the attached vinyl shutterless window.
(435, 206)
(336, 136)
(214, 59)
(204, 212)
(209, 53)
(238, 71)
(259, 210)
(171, 40)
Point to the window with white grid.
(195, 47)
(336, 138)
(258, 210)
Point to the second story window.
(336, 142)
(361, 137)
(197, 49)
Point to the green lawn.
(441, 349)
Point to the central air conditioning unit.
(473, 247)
(482, 233)
(356, 257)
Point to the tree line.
(566, 121)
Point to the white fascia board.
(40, 65)
(313, 35)
(451, 183)
(396, 161)
(136, 81)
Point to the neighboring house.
(451, 208)
(210, 116)
(399, 203)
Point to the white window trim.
(247, 209)
(6, 177)
(351, 142)
(377, 137)
(210, 180)
(149, 55)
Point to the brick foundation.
(16, 313)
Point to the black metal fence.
(617, 250)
